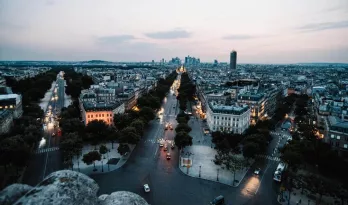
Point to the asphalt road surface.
(148, 165)
(48, 158)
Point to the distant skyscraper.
(233, 60)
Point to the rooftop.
(228, 109)
(94, 106)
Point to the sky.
(267, 31)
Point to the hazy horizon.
(262, 32)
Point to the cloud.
(50, 2)
(238, 37)
(8, 26)
(173, 34)
(116, 39)
(324, 26)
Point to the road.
(48, 157)
(148, 165)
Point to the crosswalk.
(50, 149)
(151, 141)
(277, 159)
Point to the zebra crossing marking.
(277, 159)
(50, 149)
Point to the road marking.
(262, 178)
(50, 149)
(277, 159)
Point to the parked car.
(165, 148)
(218, 200)
(257, 171)
(168, 155)
(146, 188)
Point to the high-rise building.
(233, 60)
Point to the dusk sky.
(267, 31)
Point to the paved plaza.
(112, 160)
(201, 165)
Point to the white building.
(229, 118)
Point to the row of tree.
(154, 97)
(182, 138)
(186, 90)
(18, 144)
(128, 127)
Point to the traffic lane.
(54, 162)
(34, 171)
(268, 190)
(176, 188)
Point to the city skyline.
(261, 32)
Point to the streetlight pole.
(217, 176)
(200, 171)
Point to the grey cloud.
(238, 37)
(173, 34)
(324, 26)
(10, 26)
(115, 39)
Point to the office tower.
(233, 60)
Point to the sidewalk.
(111, 161)
(306, 198)
(48, 95)
(200, 163)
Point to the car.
(165, 148)
(257, 171)
(146, 188)
(168, 155)
(53, 134)
(172, 146)
(170, 127)
(161, 144)
(220, 200)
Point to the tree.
(123, 149)
(71, 145)
(129, 135)
(113, 136)
(98, 131)
(138, 125)
(183, 127)
(122, 120)
(230, 161)
(91, 157)
(250, 149)
(183, 139)
(292, 158)
(103, 150)
(147, 113)
(15, 151)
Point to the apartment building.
(230, 118)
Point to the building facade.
(337, 134)
(100, 111)
(256, 102)
(6, 120)
(233, 60)
(228, 118)
(12, 102)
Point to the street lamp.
(217, 176)
(200, 171)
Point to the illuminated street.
(148, 164)
(48, 157)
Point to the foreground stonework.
(64, 188)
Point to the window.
(6, 107)
(11, 106)
(103, 115)
(91, 116)
(87, 116)
(337, 144)
(214, 117)
(0, 107)
(338, 137)
(332, 136)
(346, 139)
(345, 146)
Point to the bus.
(279, 171)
